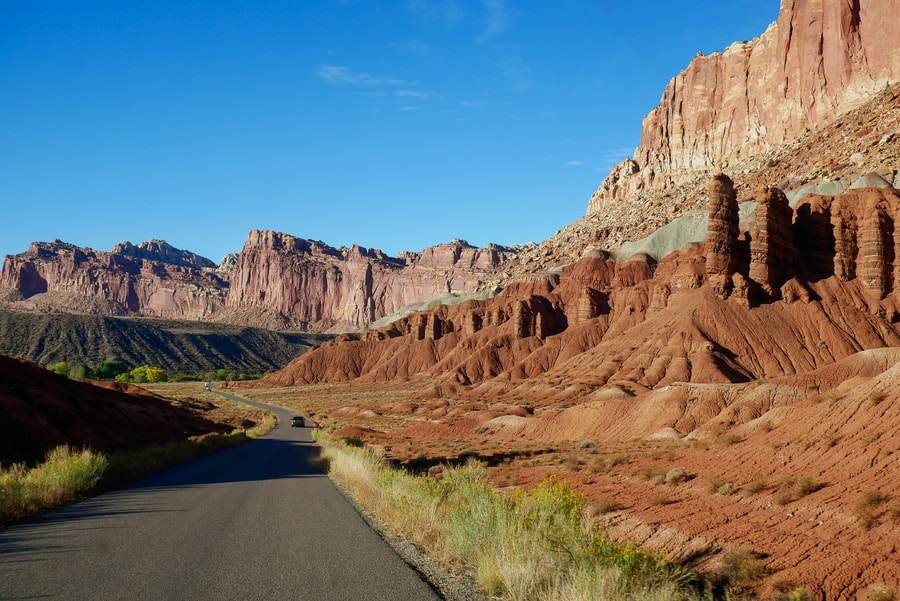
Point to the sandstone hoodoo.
(700, 314)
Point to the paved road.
(258, 521)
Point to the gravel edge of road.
(450, 586)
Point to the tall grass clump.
(63, 476)
(531, 545)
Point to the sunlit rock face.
(819, 60)
(280, 281)
(60, 277)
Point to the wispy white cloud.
(345, 75)
(414, 94)
(448, 11)
(575, 164)
(612, 157)
(497, 20)
(516, 74)
(375, 86)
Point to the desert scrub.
(63, 476)
(876, 396)
(792, 488)
(528, 545)
(676, 475)
(740, 565)
(756, 485)
(718, 485)
(867, 508)
(881, 592)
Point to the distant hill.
(176, 346)
(42, 409)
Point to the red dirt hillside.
(762, 361)
(42, 410)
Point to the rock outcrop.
(277, 282)
(162, 252)
(280, 281)
(60, 277)
(722, 239)
(701, 314)
(819, 60)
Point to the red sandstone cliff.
(797, 291)
(277, 281)
(55, 276)
(819, 60)
(284, 282)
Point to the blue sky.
(390, 124)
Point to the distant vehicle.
(297, 422)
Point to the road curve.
(257, 521)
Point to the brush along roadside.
(533, 545)
(68, 474)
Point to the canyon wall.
(280, 281)
(277, 281)
(819, 60)
(816, 284)
(60, 277)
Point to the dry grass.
(791, 488)
(63, 476)
(68, 474)
(868, 508)
(740, 565)
(535, 545)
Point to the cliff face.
(826, 272)
(60, 277)
(819, 60)
(277, 281)
(163, 252)
(284, 282)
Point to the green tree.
(224, 374)
(80, 370)
(108, 370)
(61, 368)
(142, 374)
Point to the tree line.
(120, 371)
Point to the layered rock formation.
(285, 282)
(827, 273)
(277, 281)
(819, 60)
(61, 277)
(162, 252)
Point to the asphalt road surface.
(257, 521)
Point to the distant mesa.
(162, 252)
(277, 281)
